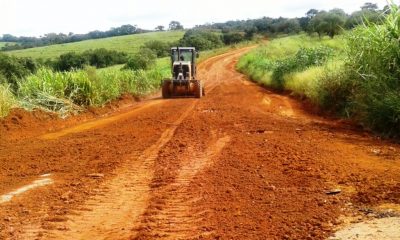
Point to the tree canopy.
(175, 25)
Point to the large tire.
(198, 89)
(166, 93)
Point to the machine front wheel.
(198, 89)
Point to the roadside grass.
(129, 44)
(303, 84)
(292, 63)
(301, 64)
(71, 92)
(7, 100)
(372, 72)
(287, 46)
(360, 80)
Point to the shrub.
(160, 48)
(70, 61)
(232, 38)
(201, 40)
(99, 58)
(142, 60)
(102, 57)
(29, 64)
(12, 69)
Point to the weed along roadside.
(351, 75)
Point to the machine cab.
(183, 61)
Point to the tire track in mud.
(119, 202)
(99, 123)
(172, 213)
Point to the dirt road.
(241, 163)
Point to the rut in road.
(112, 212)
(172, 213)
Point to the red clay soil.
(241, 163)
(20, 124)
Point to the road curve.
(241, 163)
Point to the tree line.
(17, 43)
(314, 22)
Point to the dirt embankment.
(241, 163)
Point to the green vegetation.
(278, 63)
(330, 23)
(12, 69)
(160, 48)
(2, 44)
(371, 75)
(99, 58)
(298, 64)
(355, 75)
(66, 92)
(201, 40)
(75, 80)
(141, 60)
(303, 59)
(129, 44)
(7, 100)
(233, 37)
(319, 22)
(24, 42)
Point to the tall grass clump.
(335, 89)
(374, 55)
(56, 91)
(7, 100)
(303, 59)
(270, 64)
(257, 66)
(66, 92)
(304, 84)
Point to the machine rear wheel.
(165, 89)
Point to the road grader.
(184, 82)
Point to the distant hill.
(128, 44)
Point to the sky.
(37, 17)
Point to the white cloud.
(37, 17)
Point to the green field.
(2, 44)
(128, 44)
